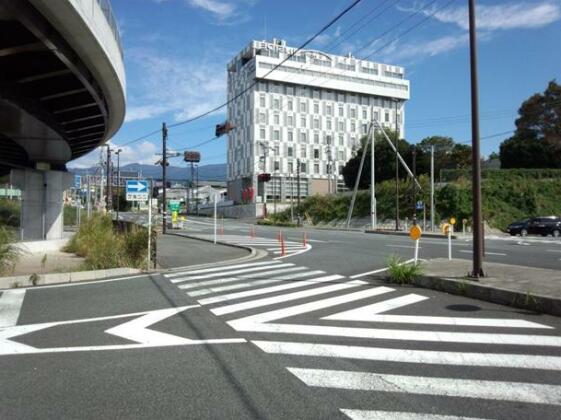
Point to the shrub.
(10, 212)
(402, 273)
(9, 254)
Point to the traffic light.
(264, 177)
(155, 192)
(222, 129)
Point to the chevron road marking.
(519, 361)
(10, 306)
(134, 330)
(464, 388)
(370, 313)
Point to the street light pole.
(432, 188)
(108, 193)
(118, 153)
(298, 190)
(373, 221)
(164, 164)
(475, 163)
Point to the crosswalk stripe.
(10, 307)
(213, 269)
(246, 324)
(272, 289)
(230, 272)
(399, 415)
(421, 385)
(259, 274)
(518, 361)
(222, 310)
(371, 313)
(315, 305)
(276, 279)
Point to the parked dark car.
(550, 225)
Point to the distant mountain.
(206, 172)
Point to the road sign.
(137, 190)
(420, 205)
(77, 181)
(452, 221)
(173, 205)
(415, 232)
(192, 157)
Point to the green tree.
(536, 143)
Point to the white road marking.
(316, 240)
(223, 310)
(294, 248)
(370, 313)
(465, 251)
(553, 250)
(220, 268)
(272, 289)
(229, 272)
(420, 385)
(401, 246)
(10, 306)
(399, 415)
(516, 361)
(259, 274)
(310, 306)
(134, 330)
(292, 254)
(380, 270)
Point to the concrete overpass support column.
(41, 201)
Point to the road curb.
(472, 289)
(255, 254)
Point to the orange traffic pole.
(305, 240)
(283, 250)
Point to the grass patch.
(9, 254)
(401, 273)
(102, 246)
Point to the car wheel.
(556, 233)
(523, 232)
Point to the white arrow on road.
(134, 330)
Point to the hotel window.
(290, 167)
(328, 124)
(302, 121)
(316, 138)
(316, 108)
(262, 118)
(387, 117)
(290, 136)
(341, 140)
(302, 106)
(353, 113)
(341, 126)
(277, 165)
(316, 153)
(329, 110)
(303, 138)
(316, 168)
(276, 135)
(353, 126)
(341, 155)
(290, 120)
(316, 123)
(290, 152)
(290, 105)
(340, 111)
(364, 114)
(262, 133)
(328, 140)
(262, 101)
(276, 103)
(303, 152)
(303, 167)
(276, 119)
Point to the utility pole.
(164, 164)
(108, 201)
(475, 163)
(432, 188)
(414, 156)
(396, 169)
(373, 221)
(118, 153)
(197, 189)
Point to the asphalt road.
(285, 338)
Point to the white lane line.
(399, 415)
(260, 274)
(380, 270)
(272, 289)
(371, 313)
(292, 254)
(230, 272)
(553, 250)
(220, 268)
(10, 306)
(420, 385)
(465, 251)
(223, 310)
(515, 361)
(310, 306)
(401, 246)
(247, 324)
(316, 240)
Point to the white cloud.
(182, 86)
(427, 48)
(221, 10)
(144, 152)
(224, 12)
(522, 15)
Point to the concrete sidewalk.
(524, 287)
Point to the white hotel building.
(313, 109)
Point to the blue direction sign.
(420, 205)
(77, 181)
(137, 190)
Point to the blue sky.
(176, 53)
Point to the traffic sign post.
(137, 190)
(415, 234)
(450, 230)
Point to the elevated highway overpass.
(62, 94)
